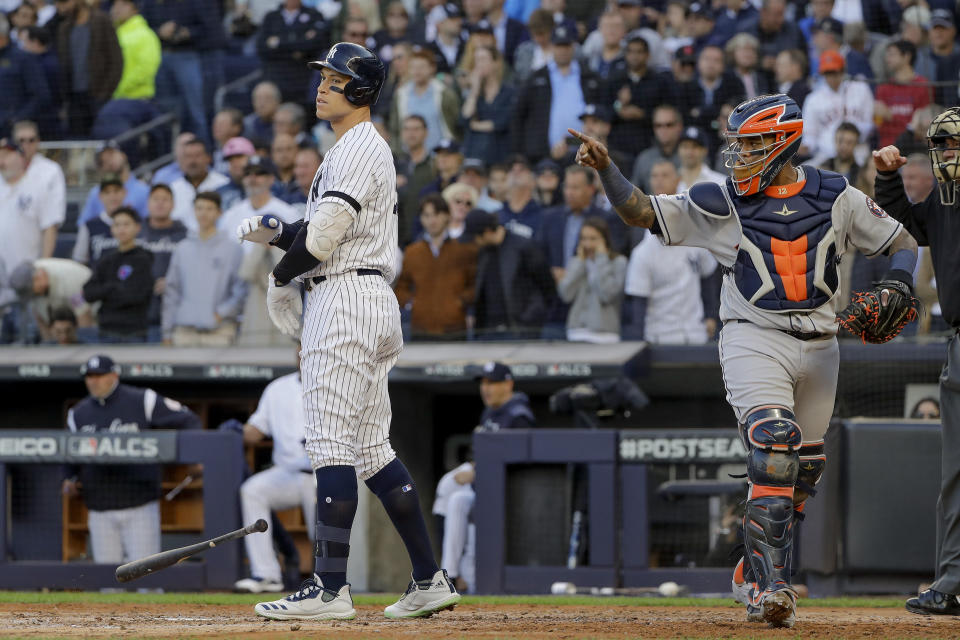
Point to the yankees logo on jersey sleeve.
(358, 173)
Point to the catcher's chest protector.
(788, 253)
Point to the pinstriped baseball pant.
(351, 339)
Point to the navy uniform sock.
(395, 488)
(336, 507)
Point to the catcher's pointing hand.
(592, 152)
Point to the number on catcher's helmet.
(364, 68)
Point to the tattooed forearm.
(637, 211)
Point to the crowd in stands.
(501, 235)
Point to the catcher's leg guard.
(812, 462)
(772, 438)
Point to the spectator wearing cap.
(447, 159)
(521, 213)
(514, 288)
(592, 285)
(91, 61)
(504, 407)
(774, 32)
(743, 57)
(197, 177)
(945, 53)
(236, 152)
(791, 75)
(227, 124)
(415, 170)
(122, 282)
(486, 109)
(637, 90)
(474, 173)
(508, 32)
(536, 52)
(734, 16)
(551, 100)
(837, 99)
(816, 10)
(846, 139)
(903, 93)
(94, 238)
(828, 36)
(38, 41)
(283, 152)
(428, 97)
(612, 30)
(701, 100)
(24, 97)
(122, 500)
(259, 177)
(438, 276)
(449, 44)
(288, 37)
(549, 175)
(47, 284)
(667, 129)
(29, 216)
(160, 235)
(112, 160)
(692, 151)
(203, 311)
(258, 126)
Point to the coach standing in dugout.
(935, 222)
(122, 500)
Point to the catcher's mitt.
(874, 321)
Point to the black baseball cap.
(562, 35)
(10, 145)
(481, 26)
(495, 372)
(476, 222)
(517, 158)
(696, 135)
(598, 111)
(829, 25)
(98, 365)
(447, 145)
(108, 179)
(686, 54)
(942, 18)
(260, 165)
(702, 10)
(548, 165)
(452, 10)
(474, 164)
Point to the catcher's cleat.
(310, 602)
(740, 584)
(425, 598)
(777, 608)
(932, 602)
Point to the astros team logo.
(875, 209)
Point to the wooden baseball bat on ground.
(164, 559)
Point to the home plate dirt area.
(469, 620)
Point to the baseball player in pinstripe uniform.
(777, 230)
(343, 252)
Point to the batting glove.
(260, 229)
(284, 307)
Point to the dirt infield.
(86, 620)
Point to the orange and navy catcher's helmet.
(778, 120)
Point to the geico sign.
(132, 447)
(28, 446)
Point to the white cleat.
(311, 602)
(423, 599)
(741, 587)
(258, 585)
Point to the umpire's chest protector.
(787, 259)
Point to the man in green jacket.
(141, 52)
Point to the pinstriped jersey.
(358, 173)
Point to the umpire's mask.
(943, 138)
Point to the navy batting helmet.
(777, 120)
(365, 69)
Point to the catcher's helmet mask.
(943, 139)
(777, 122)
(362, 66)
